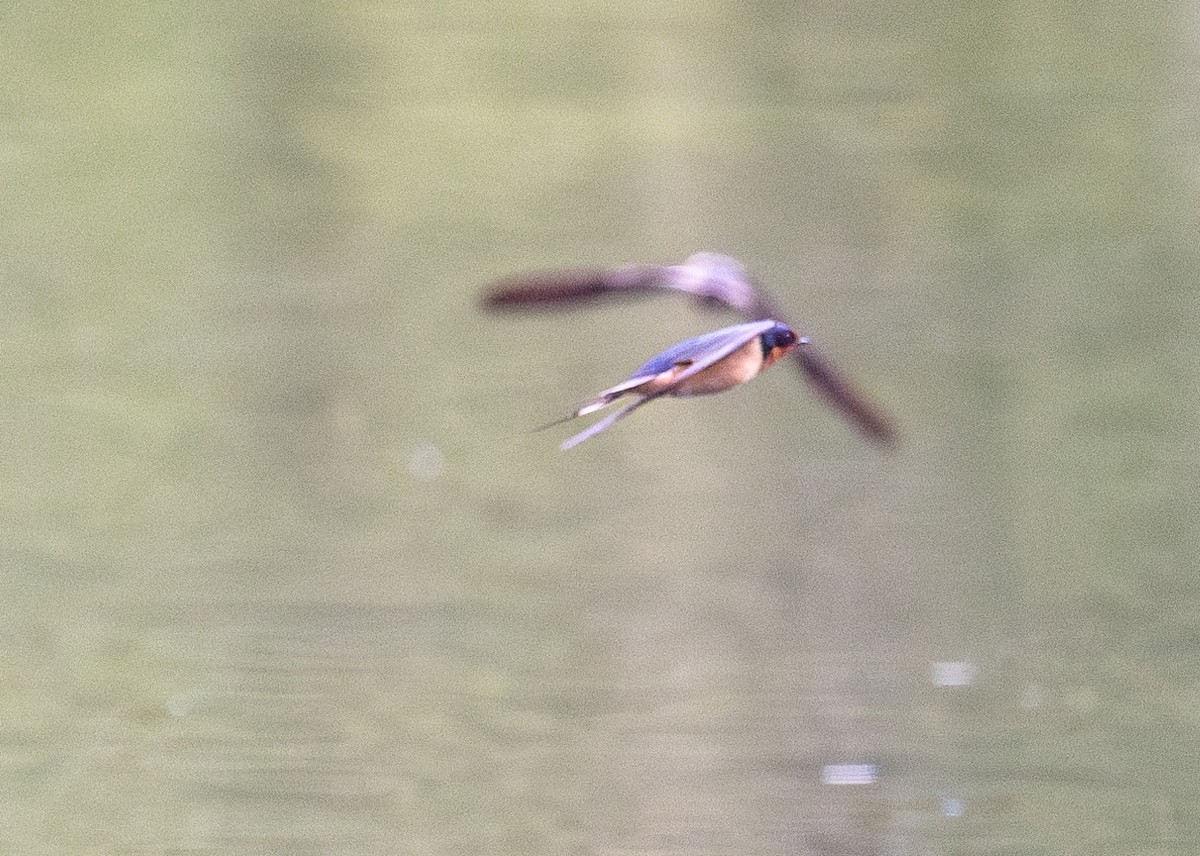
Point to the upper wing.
(712, 278)
(573, 287)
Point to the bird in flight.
(704, 365)
(715, 281)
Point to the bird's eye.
(785, 338)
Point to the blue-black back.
(727, 339)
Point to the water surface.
(286, 572)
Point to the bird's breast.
(737, 368)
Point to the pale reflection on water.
(288, 573)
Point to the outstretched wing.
(830, 385)
(840, 395)
(564, 288)
(714, 279)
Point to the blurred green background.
(285, 572)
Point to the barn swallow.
(704, 365)
(713, 280)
